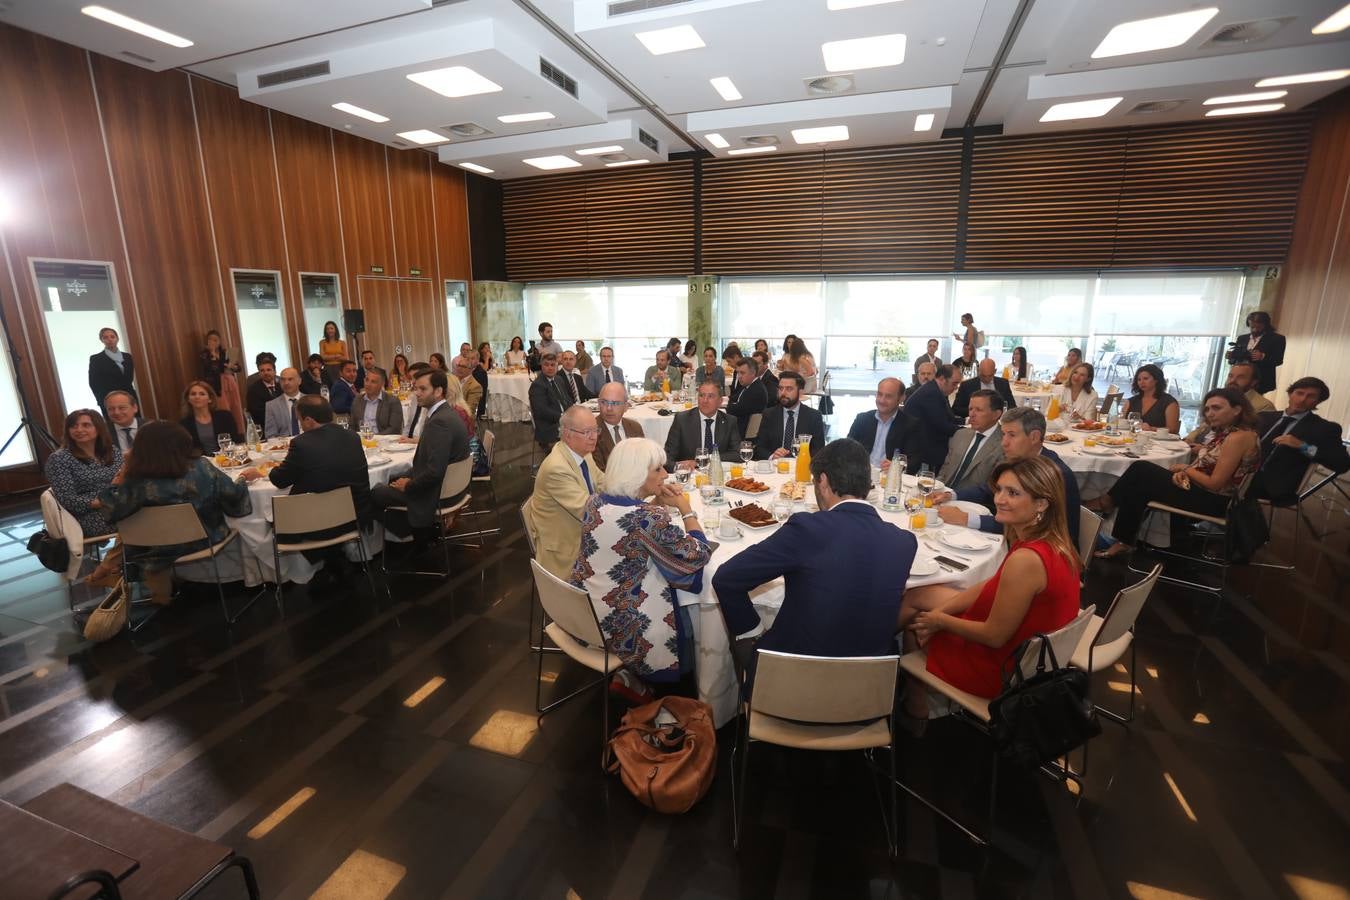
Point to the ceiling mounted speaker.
(1248, 32)
(1151, 107)
(615, 157)
(467, 129)
(830, 84)
(760, 140)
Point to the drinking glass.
(1134, 421)
(913, 502)
(701, 458)
(710, 519)
(925, 478)
(682, 476)
(747, 450)
(782, 509)
(225, 442)
(902, 462)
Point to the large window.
(262, 319)
(79, 299)
(20, 449)
(322, 302)
(636, 318)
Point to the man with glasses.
(611, 422)
(549, 397)
(704, 428)
(567, 478)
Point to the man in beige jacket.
(566, 479)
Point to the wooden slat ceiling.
(763, 215)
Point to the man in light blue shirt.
(886, 429)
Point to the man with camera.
(1263, 347)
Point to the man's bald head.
(987, 369)
(613, 402)
(290, 381)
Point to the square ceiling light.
(824, 134)
(670, 40)
(475, 167)
(548, 163)
(1337, 21)
(1080, 109)
(596, 151)
(1244, 110)
(766, 148)
(1305, 78)
(115, 18)
(515, 118)
(354, 110)
(1157, 33)
(717, 140)
(725, 88)
(455, 81)
(924, 121)
(1246, 98)
(864, 53)
(423, 136)
(854, 4)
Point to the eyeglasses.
(589, 432)
(613, 403)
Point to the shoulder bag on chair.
(52, 552)
(1037, 719)
(666, 753)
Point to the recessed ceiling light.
(1305, 78)
(358, 111)
(1337, 21)
(455, 81)
(716, 140)
(552, 162)
(724, 87)
(627, 162)
(525, 117)
(1157, 33)
(423, 136)
(854, 4)
(596, 151)
(864, 53)
(1246, 98)
(475, 167)
(924, 122)
(104, 14)
(1243, 110)
(764, 149)
(670, 40)
(823, 135)
(1080, 109)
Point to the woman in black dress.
(1157, 409)
(206, 424)
(215, 361)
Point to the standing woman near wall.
(110, 369)
(219, 372)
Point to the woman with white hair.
(633, 556)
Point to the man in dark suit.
(1293, 440)
(931, 356)
(263, 391)
(887, 428)
(368, 365)
(928, 405)
(973, 452)
(1264, 346)
(386, 416)
(323, 457)
(444, 441)
(766, 375)
(124, 418)
(573, 381)
(111, 369)
(781, 424)
(611, 422)
(839, 600)
(549, 398)
(344, 388)
(749, 396)
(704, 426)
(986, 380)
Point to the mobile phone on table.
(952, 563)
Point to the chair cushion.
(916, 665)
(318, 544)
(1106, 654)
(810, 736)
(1190, 514)
(590, 657)
(208, 552)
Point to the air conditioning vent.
(296, 73)
(136, 56)
(467, 129)
(1248, 32)
(557, 76)
(830, 84)
(624, 7)
(650, 142)
(1152, 107)
(760, 140)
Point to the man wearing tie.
(704, 428)
(444, 440)
(549, 398)
(571, 378)
(124, 418)
(605, 373)
(280, 417)
(780, 426)
(975, 451)
(614, 428)
(1295, 439)
(375, 409)
(566, 479)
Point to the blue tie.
(586, 474)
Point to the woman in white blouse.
(1078, 398)
(515, 356)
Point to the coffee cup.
(728, 529)
(932, 517)
(763, 467)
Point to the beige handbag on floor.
(109, 617)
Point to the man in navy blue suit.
(845, 568)
(933, 411)
(1023, 435)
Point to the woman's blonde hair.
(1041, 479)
(454, 393)
(628, 466)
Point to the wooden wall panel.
(384, 324)
(545, 227)
(762, 216)
(450, 208)
(640, 222)
(309, 198)
(423, 320)
(411, 196)
(363, 198)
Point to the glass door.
(322, 301)
(262, 316)
(79, 299)
(457, 313)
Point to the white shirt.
(124, 441)
(372, 410)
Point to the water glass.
(747, 450)
(710, 519)
(782, 509)
(701, 458)
(682, 477)
(225, 442)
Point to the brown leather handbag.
(666, 753)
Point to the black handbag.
(1038, 719)
(52, 552)
(1246, 531)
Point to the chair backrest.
(568, 606)
(457, 478)
(489, 446)
(62, 526)
(527, 520)
(824, 689)
(162, 526)
(305, 513)
(1089, 526)
(51, 514)
(752, 427)
(1124, 610)
(1064, 642)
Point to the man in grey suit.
(279, 415)
(444, 441)
(605, 373)
(375, 408)
(975, 450)
(704, 427)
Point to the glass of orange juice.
(737, 470)
(701, 478)
(1089, 442)
(783, 465)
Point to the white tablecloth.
(249, 556)
(1042, 397)
(509, 396)
(1097, 472)
(714, 671)
(654, 425)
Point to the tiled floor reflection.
(387, 747)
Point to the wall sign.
(377, 270)
(414, 271)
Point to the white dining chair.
(1089, 526)
(296, 518)
(454, 496)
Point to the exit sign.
(414, 271)
(377, 270)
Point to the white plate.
(399, 448)
(764, 493)
(909, 482)
(1099, 450)
(1165, 436)
(923, 567)
(379, 460)
(961, 539)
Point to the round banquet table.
(252, 562)
(1022, 395)
(714, 671)
(654, 425)
(509, 396)
(1098, 468)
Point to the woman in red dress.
(971, 635)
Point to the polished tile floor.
(370, 747)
